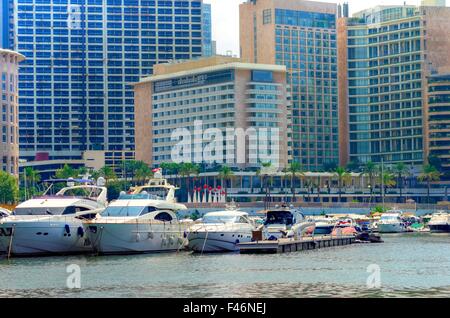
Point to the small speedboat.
(221, 231)
(284, 222)
(439, 222)
(4, 213)
(392, 222)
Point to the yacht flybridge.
(142, 221)
(51, 224)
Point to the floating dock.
(292, 245)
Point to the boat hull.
(391, 228)
(439, 228)
(44, 238)
(216, 242)
(132, 238)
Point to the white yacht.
(50, 224)
(221, 231)
(392, 222)
(143, 221)
(439, 222)
(284, 222)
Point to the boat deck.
(292, 245)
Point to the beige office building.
(9, 147)
(223, 94)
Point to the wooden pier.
(292, 245)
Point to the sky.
(225, 19)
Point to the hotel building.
(81, 57)
(9, 128)
(391, 52)
(302, 36)
(223, 93)
(438, 109)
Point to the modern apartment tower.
(81, 57)
(6, 24)
(207, 30)
(438, 137)
(302, 36)
(9, 146)
(211, 99)
(391, 51)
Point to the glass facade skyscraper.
(81, 57)
(302, 36)
(6, 27)
(207, 30)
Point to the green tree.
(370, 170)
(401, 171)
(115, 187)
(32, 178)
(9, 188)
(295, 169)
(342, 176)
(388, 181)
(225, 175)
(266, 179)
(66, 172)
(142, 172)
(429, 174)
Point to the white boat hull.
(216, 242)
(123, 238)
(391, 228)
(44, 238)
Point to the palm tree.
(66, 172)
(225, 173)
(142, 172)
(33, 177)
(429, 174)
(264, 172)
(370, 170)
(342, 176)
(294, 169)
(107, 173)
(388, 181)
(401, 170)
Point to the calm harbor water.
(412, 265)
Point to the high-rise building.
(391, 51)
(6, 24)
(433, 3)
(302, 36)
(9, 146)
(207, 30)
(438, 108)
(81, 57)
(217, 95)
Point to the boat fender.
(80, 231)
(67, 228)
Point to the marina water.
(411, 265)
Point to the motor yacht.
(221, 231)
(51, 224)
(286, 222)
(142, 221)
(439, 222)
(392, 222)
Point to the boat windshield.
(155, 193)
(391, 217)
(39, 211)
(279, 217)
(121, 211)
(220, 219)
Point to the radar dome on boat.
(101, 181)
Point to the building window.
(267, 16)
